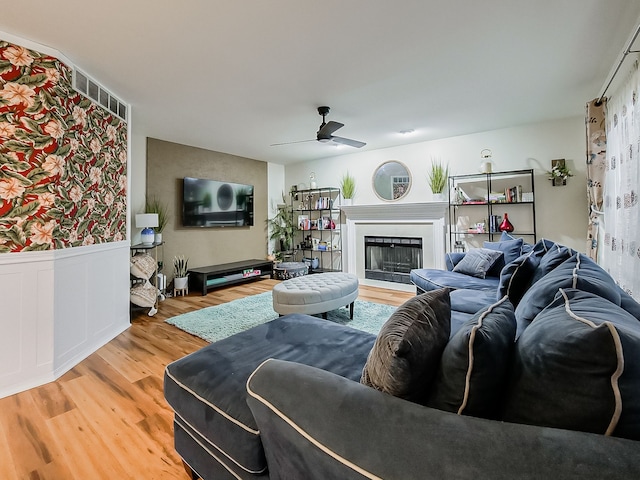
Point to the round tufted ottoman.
(318, 293)
(287, 270)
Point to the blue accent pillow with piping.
(575, 367)
(474, 365)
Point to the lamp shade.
(144, 220)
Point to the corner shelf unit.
(155, 249)
(317, 235)
(484, 197)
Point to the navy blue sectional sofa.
(537, 376)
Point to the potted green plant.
(180, 272)
(348, 188)
(438, 177)
(154, 205)
(281, 229)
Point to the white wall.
(561, 212)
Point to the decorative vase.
(438, 197)
(506, 225)
(559, 181)
(158, 237)
(347, 201)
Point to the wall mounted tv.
(214, 203)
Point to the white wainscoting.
(56, 308)
(424, 220)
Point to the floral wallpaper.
(62, 159)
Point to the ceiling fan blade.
(329, 127)
(290, 143)
(348, 141)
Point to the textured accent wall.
(167, 164)
(63, 159)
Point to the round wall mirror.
(391, 181)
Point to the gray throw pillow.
(406, 353)
(477, 262)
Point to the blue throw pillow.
(575, 367)
(474, 364)
(511, 249)
(515, 277)
(577, 272)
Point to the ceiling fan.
(325, 133)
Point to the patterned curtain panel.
(596, 166)
(621, 250)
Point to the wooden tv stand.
(213, 276)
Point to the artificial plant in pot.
(348, 188)
(438, 177)
(180, 272)
(281, 229)
(154, 205)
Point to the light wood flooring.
(107, 418)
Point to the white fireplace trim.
(428, 213)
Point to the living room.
(71, 320)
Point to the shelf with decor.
(147, 283)
(483, 205)
(317, 239)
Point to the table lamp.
(147, 221)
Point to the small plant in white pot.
(180, 272)
(348, 188)
(438, 177)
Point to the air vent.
(96, 92)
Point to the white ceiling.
(236, 76)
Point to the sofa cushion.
(477, 262)
(405, 356)
(473, 368)
(577, 272)
(428, 279)
(576, 367)
(471, 301)
(511, 249)
(206, 389)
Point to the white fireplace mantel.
(418, 214)
(396, 211)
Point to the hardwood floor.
(107, 417)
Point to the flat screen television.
(214, 203)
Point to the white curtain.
(620, 254)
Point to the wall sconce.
(147, 221)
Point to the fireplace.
(391, 259)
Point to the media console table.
(206, 278)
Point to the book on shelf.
(513, 194)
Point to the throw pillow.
(477, 262)
(406, 353)
(575, 367)
(472, 373)
(572, 273)
(143, 294)
(511, 250)
(142, 265)
(515, 277)
(554, 256)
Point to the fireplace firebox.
(391, 259)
